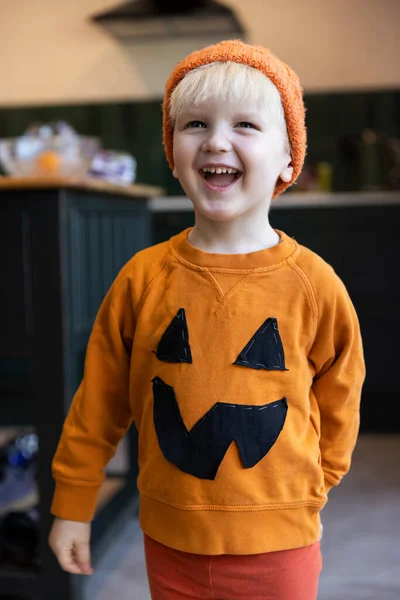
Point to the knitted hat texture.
(258, 57)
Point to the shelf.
(169, 204)
(8, 434)
(18, 581)
(31, 183)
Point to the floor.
(361, 546)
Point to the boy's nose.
(216, 142)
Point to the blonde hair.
(227, 81)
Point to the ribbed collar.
(270, 257)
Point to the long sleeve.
(100, 412)
(337, 356)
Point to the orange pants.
(285, 575)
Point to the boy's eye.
(195, 124)
(246, 125)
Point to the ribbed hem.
(74, 502)
(230, 532)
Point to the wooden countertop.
(35, 183)
(293, 200)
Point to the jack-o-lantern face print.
(254, 428)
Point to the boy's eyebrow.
(249, 115)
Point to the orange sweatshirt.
(243, 375)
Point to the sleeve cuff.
(74, 502)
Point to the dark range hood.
(145, 19)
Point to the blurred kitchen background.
(84, 184)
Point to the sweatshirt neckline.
(267, 258)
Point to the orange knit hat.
(284, 79)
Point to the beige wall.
(51, 53)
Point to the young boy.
(235, 351)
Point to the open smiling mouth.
(219, 178)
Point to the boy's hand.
(69, 541)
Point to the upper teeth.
(218, 170)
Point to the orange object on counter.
(48, 162)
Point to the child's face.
(227, 135)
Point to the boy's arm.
(337, 357)
(100, 412)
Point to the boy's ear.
(174, 173)
(287, 173)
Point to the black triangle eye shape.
(264, 350)
(174, 345)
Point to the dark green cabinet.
(60, 249)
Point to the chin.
(219, 215)
(219, 210)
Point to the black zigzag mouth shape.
(201, 450)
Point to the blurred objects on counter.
(115, 167)
(370, 161)
(316, 177)
(53, 149)
(56, 150)
(324, 171)
(379, 161)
